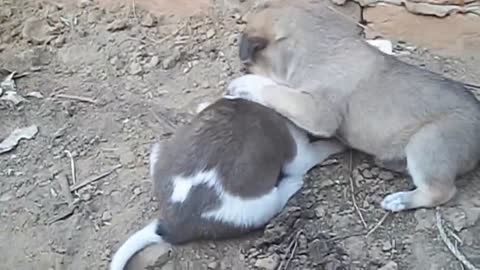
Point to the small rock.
(456, 217)
(339, 2)
(106, 216)
(387, 245)
(268, 263)
(148, 21)
(320, 211)
(84, 3)
(232, 39)
(35, 94)
(152, 257)
(367, 174)
(384, 175)
(210, 33)
(135, 68)
(95, 16)
(37, 30)
(425, 219)
(86, 197)
(326, 183)
(169, 62)
(212, 265)
(391, 265)
(153, 62)
(117, 25)
(59, 41)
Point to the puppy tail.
(147, 236)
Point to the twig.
(352, 190)
(72, 167)
(63, 181)
(66, 214)
(451, 246)
(378, 224)
(134, 10)
(79, 98)
(164, 120)
(454, 235)
(96, 178)
(292, 247)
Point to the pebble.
(384, 175)
(117, 25)
(212, 265)
(391, 265)
(153, 62)
(148, 21)
(268, 263)
(367, 173)
(135, 68)
(169, 62)
(36, 30)
(210, 33)
(387, 245)
(106, 216)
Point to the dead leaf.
(13, 97)
(14, 138)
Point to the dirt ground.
(102, 84)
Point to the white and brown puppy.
(227, 172)
(330, 82)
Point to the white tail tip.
(138, 241)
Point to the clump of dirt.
(110, 81)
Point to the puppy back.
(244, 143)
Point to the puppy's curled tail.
(141, 239)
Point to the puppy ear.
(248, 46)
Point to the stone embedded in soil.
(37, 30)
(169, 62)
(117, 25)
(151, 257)
(384, 175)
(367, 173)
(387, 245)
(106, 216)
(135, 69)
(268, 263)
(425, 219)
(391, 265)
(210, 33)
(148, 20)
(212, 265)
(153, 62)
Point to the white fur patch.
(246, 212)
(181, 188)
(235, 210)
(138, 241)
(249, 87)
(154, 156)
(182, 185)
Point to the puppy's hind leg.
(436, 155)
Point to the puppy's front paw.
(398, 201)
(248, 87)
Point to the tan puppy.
(327, 80)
